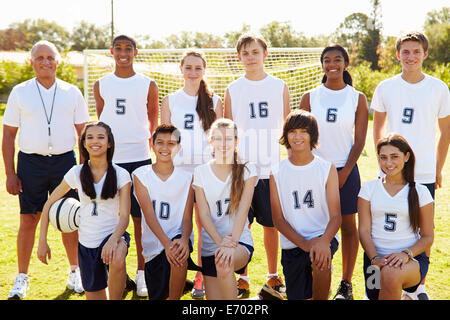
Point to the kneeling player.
(304, 197)
(166, 197)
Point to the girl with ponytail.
(342, 115)
(395, 222)
(192, 109)
(224, 189)
(104, 191)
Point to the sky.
(161, 18)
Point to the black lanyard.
(49, 120)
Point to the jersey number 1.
(262, 107)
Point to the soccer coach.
(51, 114)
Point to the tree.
(282, 35)
(41, 29)
(437, 29)
(88, 36)
(370, 44)
(231, 37)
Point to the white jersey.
(391, 228)
(217, 193)
(195, 148)
(335, 112)
(412, 111)
(258, 111)
(169, 201)
(99, 217)
(125, 111)
(24, 110)
(302, 194)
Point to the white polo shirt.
(24, 110)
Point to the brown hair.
(109, 189)
(247, 38)
(167, 128)
(237, 171)
(124, 37)
(205, 104)
(413, 36)
(400, 143)
(300, 119)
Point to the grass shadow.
(66, 294)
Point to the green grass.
(48, 281)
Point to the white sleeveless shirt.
(217, 193)
(125, 111)
(302, 194)
(335, 112)
(169, 201)
(258, 111)
(195, 148)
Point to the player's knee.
(223, 271)
(389, 277)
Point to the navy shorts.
(40, 175)
(209, 265)
(157, 274)
(431, 187)
(372, 294)
(297, 271)
(94, 273)
(130, 167)
(260, 207)
(349, 192)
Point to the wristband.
(409, 253)
(376, 257)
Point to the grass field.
(48, 282)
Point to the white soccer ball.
(64, 215)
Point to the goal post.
(300, 68)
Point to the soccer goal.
(299, 67)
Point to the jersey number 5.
(391, 224)
(120, 106)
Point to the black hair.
(347, 77)
(109, 189)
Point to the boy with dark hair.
(167, 235)
(304, 197)
(128, 102)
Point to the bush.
(13, 73)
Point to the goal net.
(299, 67)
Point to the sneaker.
(141, 287)
(74, 281)
(243, 288)
(130, 285)
(345, 291)
(423, 296)
(198, 292)
(276, 283)
(21, 285)
(268, 293)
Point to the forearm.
(286, 230)
(421, 245)
(441, 152)
(367, 243)
(8, 150)
(121, 227)
(332, 227)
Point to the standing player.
(104, 190)
(259, 103)
(395, 223)
(166, 197)
(193, 109)
(304, 195)
(342, 115)
(51, 114)
(224, 189)
(411, 103)
(128, 102)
